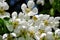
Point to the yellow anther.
(41, 31)
(28, 10)
(34, 18)
(44, 38)
(2, 12)
(15, 24)
(9, 37)
(31, 33)
(46, 22)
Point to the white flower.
(49, 36)
(48, 29)
(2, 0)
(21, 38)
(43, 36)
(49, 21)
(4, 6)
(21, 15)
(9, 36)
(40, 2)
(57, 32)
(29, 10)
(15, 22)
(14, 15)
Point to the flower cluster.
(28, 25)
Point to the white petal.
(5, 6)
(48, 29)
(1, 5)
(21, 15)
(51, 19)
(37, 38)
(14, 15)
(21, 38)
(49, 36)
(45, 17)
(27, 17)
(40, 2)
(31, 13)
(43, 35)
(42, 27)
(57, 19)
(35, 10)
(23, 7)
(31, 0)
(30, 4)
(5, 35)
(57, 32)
(7, 14)
(13, 34)
(2, 0)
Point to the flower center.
(23, 32)
(28, 10)
(9, 37)
(2, 11)
(34, 18)
(31, 33)
(15, 24)
(41, 31)
(44, 38)
(46, 22)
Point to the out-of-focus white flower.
(48, 29)
(21, 15)
(9, 36)
(40, 2)
(31, 0)
(4, 6)
(49, 36)
(49, 21)
(43, 36)
(2, 0)
(21, 38)
(57, 32)
(30, 11)
(14, 15)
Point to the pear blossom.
(9, 36)
(2, 0)
(40, 2)
(4, 6)
(57, 32)
(30, 10)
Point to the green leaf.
(6, 18)
(56, 5)
(52, 12)
(3, 28)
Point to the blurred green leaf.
(6, 18)
(52, 12)
(3, 28)
(56, 5)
